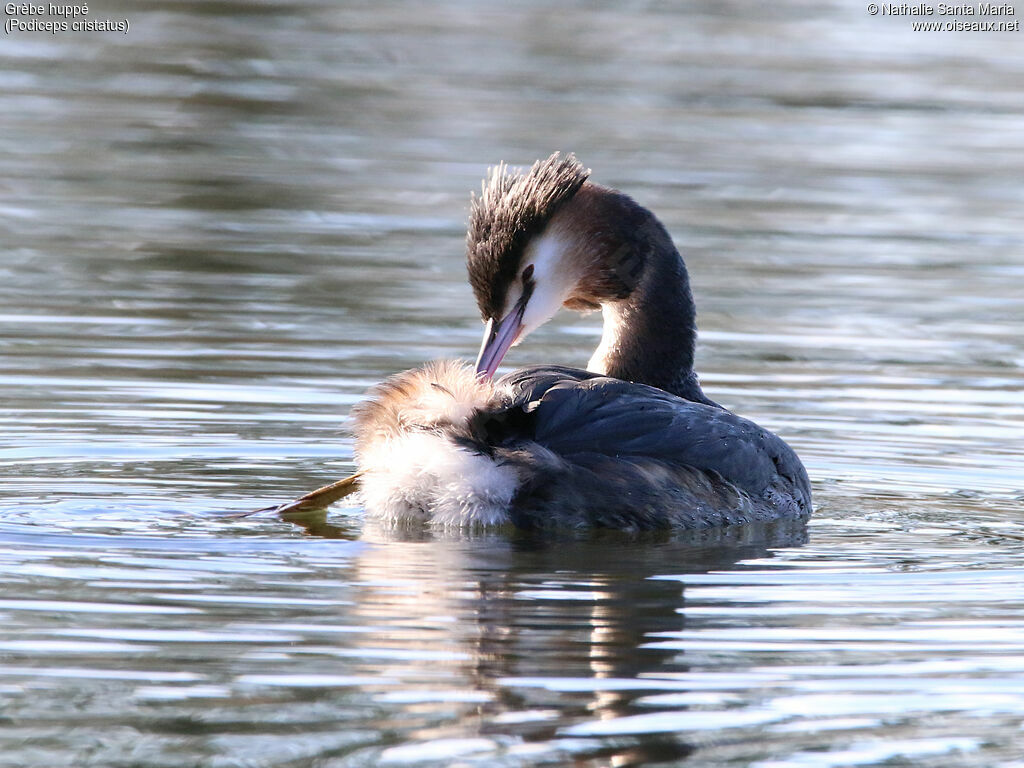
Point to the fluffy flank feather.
(410, 443)
(440, 395)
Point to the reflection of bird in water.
(631, 443)
(579, 629)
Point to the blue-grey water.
(217, 230)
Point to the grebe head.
(543, 238)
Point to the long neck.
(650, 334)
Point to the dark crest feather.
(514, 206)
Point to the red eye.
(528, 273)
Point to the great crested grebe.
(630, 443)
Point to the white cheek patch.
(553, 280)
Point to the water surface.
(218, 230)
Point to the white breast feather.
(425, 477)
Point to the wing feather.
(577, 413)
